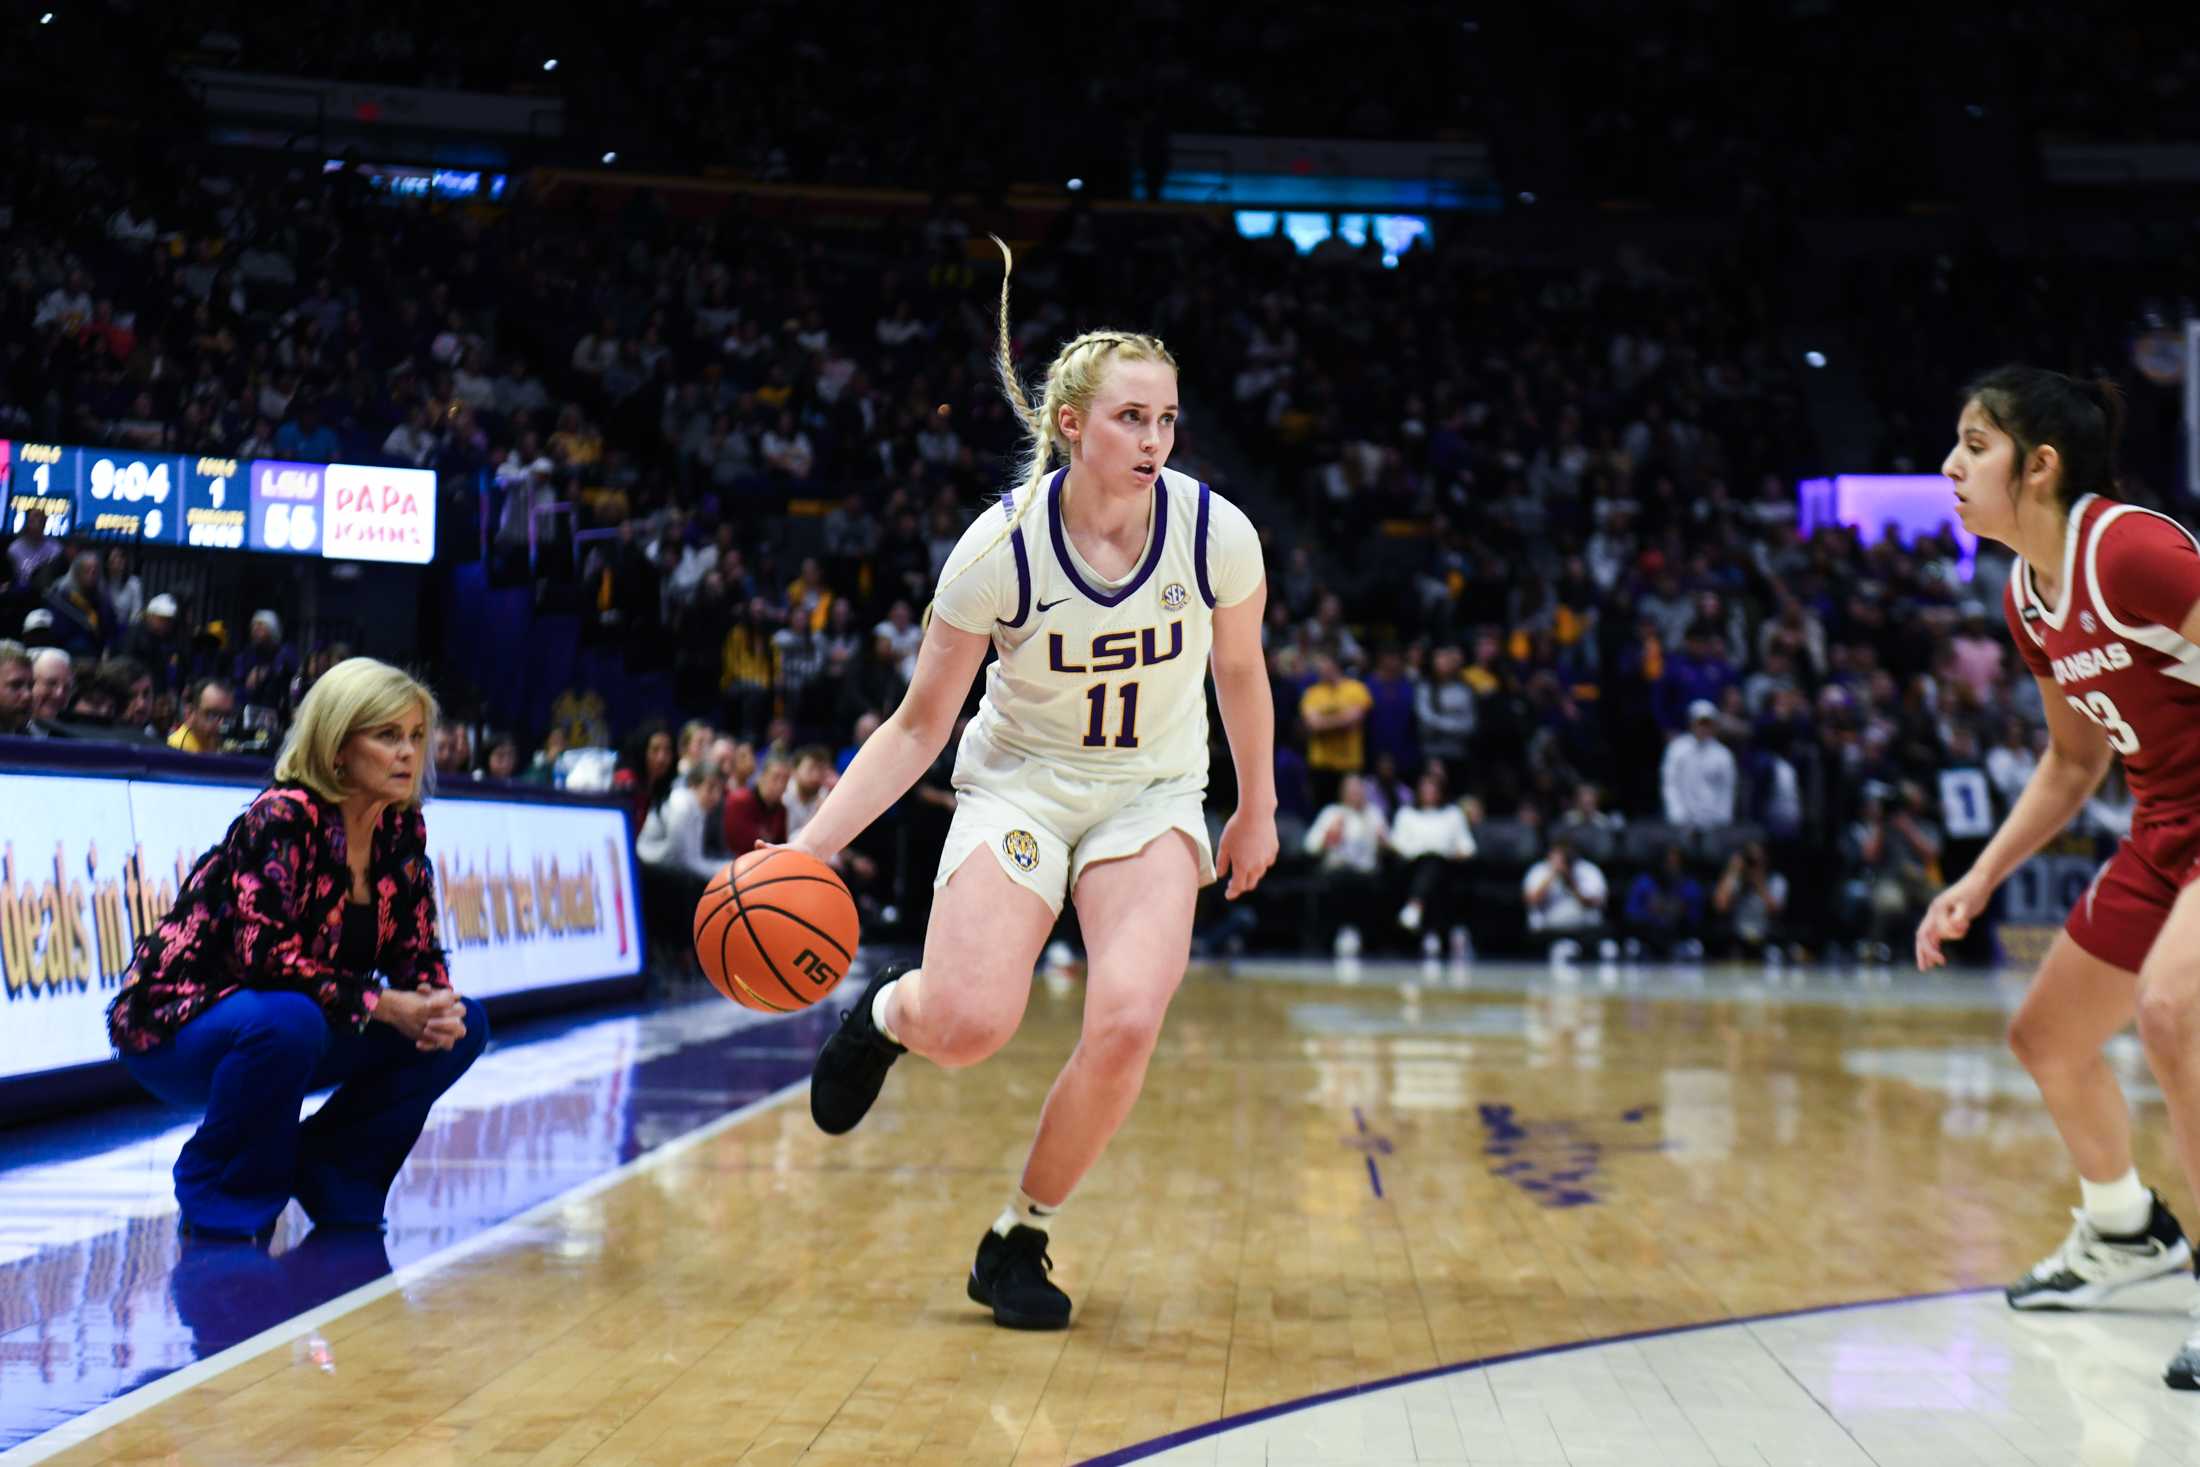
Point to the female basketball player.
(2105, 610)
(1104, 585)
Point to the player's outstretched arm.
(1248, 846)
(2067, 775)
(905, 745)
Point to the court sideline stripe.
(1140, 1451)
(83, 1428)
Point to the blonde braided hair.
(1072, 381)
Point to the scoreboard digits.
(334, 511)
(129, 496)
(214, 505)
(43, 477)
(286, 506)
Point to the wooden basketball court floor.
(1361, 1216)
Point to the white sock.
(2119, 1208)
(1026, 1211)
(878, 1010)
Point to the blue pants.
(251, 1060)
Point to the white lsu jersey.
(1105, 679)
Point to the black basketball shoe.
(2183, 1371)
(1010, 1278)
(2090, 1266)
(853, 1064)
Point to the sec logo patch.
(1022, 847)
(1173, 597)
(2085, 621)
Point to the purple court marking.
(1142, 1450)
(1370, 1144)
(98, 1299)
(1554, 1161)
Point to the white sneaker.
(1348, 942)
(1432, 947)
(2088, 1268)
(1409, 916)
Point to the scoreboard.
(334, 511)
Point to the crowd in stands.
(1518, 514)
(86, 654)
(1578, 565)
(199, 313)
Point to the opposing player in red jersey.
(2104, 606)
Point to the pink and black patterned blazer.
(265, 909)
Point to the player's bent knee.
(2032, 1040)
(2044, 1051)
(967, 1038)
(965, 1022)
(2169, 1024)
(1122, 1039)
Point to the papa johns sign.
(380, 514)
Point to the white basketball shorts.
(1046, 826)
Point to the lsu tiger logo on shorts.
(1022, 847)
(1173, 597)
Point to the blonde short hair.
(357, 693)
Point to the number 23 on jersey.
(2099, 707)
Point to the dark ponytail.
(2109, 398)
(2083, 419)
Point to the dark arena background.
(1568, 1091)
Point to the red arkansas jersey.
(2110, 642)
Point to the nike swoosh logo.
(1050, 605)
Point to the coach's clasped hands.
(432, 1018)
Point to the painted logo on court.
(1172, 596)
(1557, 1162)
(1022, 847)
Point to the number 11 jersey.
(1106, 679)
(2110, 643)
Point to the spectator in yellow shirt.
(809, 594)
(1486, 674)
(748, 671)
(576, 443)
(1334, 709)
(207, 706)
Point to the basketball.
(775, 930)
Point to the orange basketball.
(775, 930)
